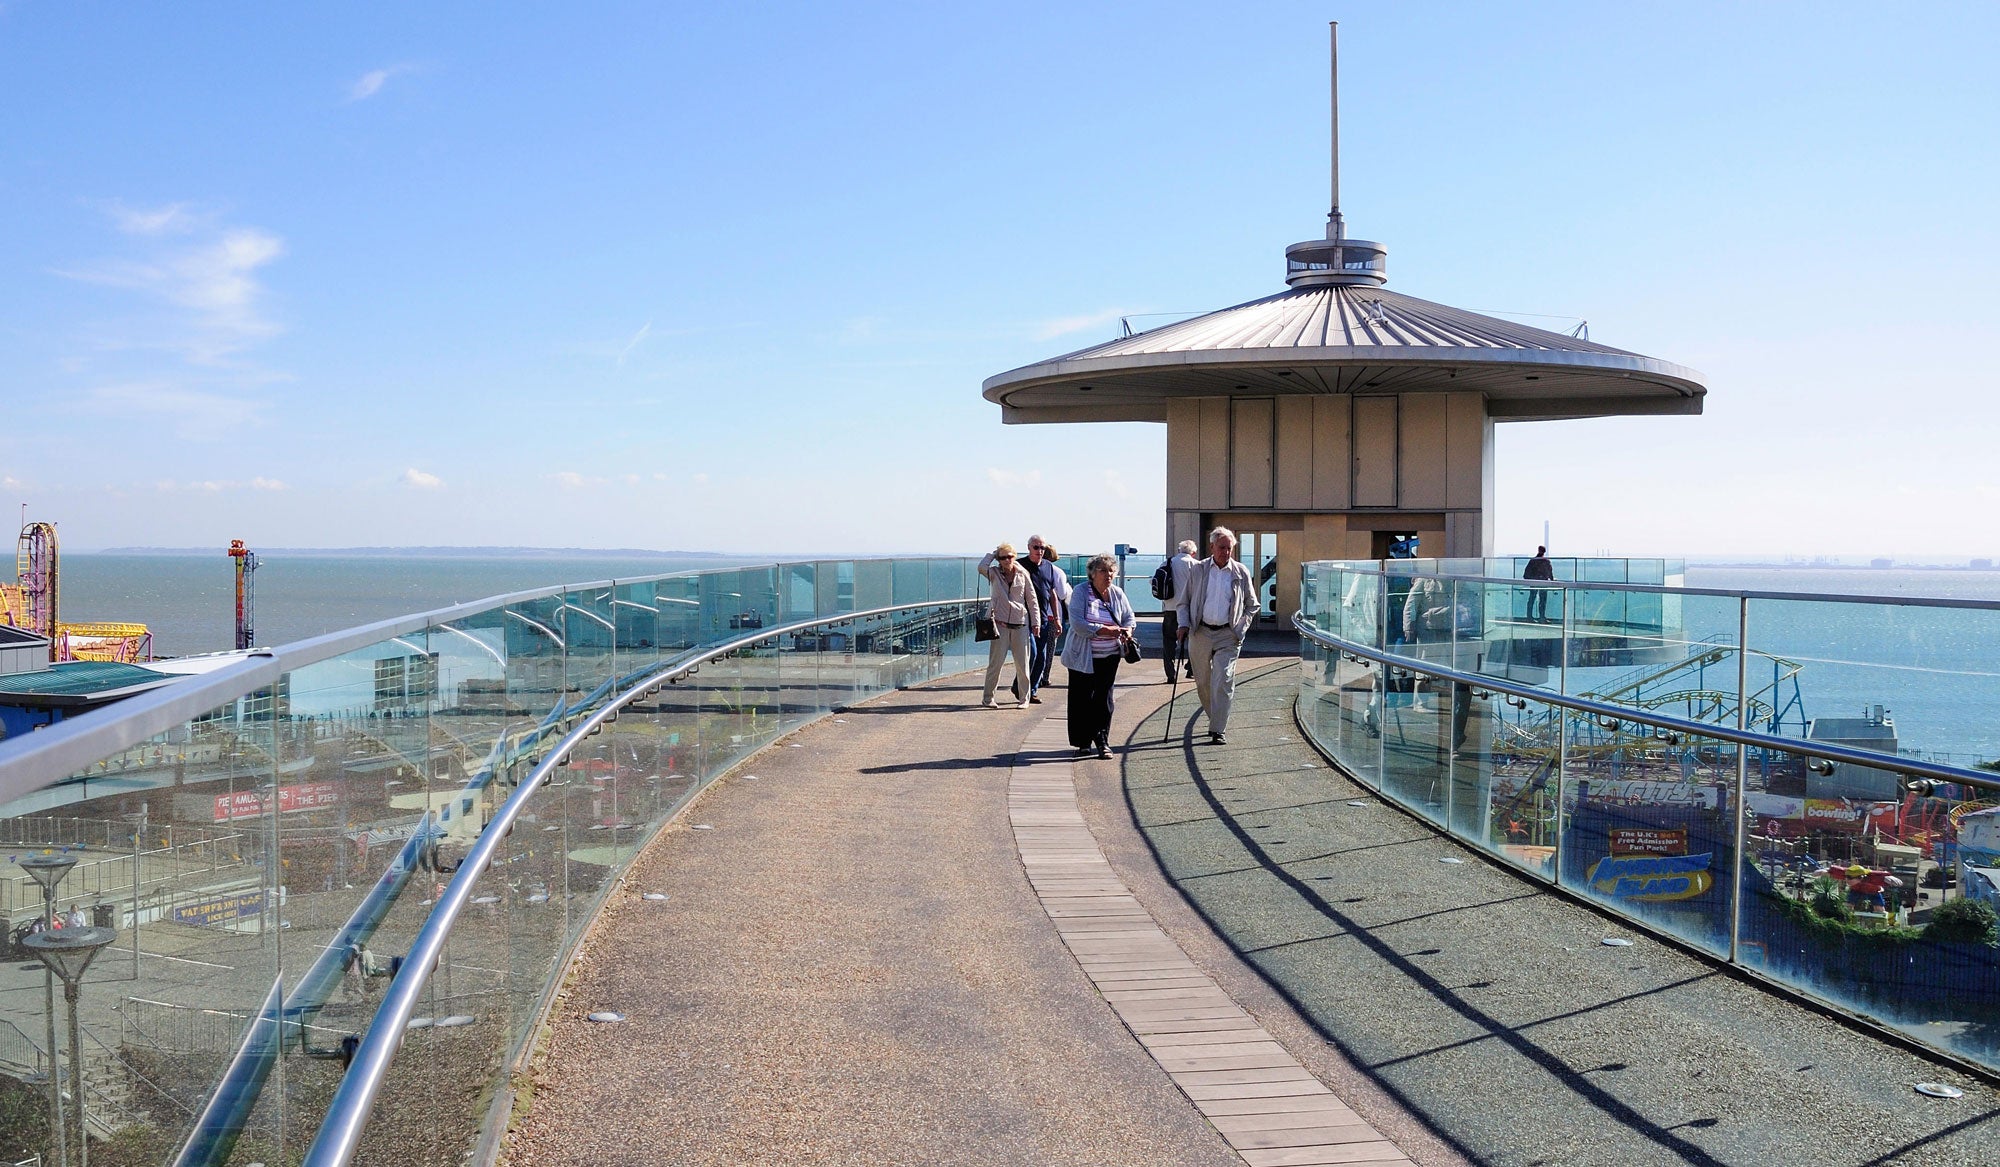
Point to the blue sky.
(729, 277)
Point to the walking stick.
(1168, 734)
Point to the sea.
(1935, 670)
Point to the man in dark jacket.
(1538, 599)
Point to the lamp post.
(48, 870)
(67, 953)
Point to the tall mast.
(1334, 227)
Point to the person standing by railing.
(1539, 568)
(1215, 613)
(1101, 624)
(1016, 617)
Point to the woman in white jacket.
(1100, 624)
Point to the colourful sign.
(1653, 878)
(1645, 792)
(248, 804)
(1648, 841)
(221, 910)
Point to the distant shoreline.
(429, 552)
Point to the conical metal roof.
(1346, 338)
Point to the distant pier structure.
(1336, 416)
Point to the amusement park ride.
(33, 601)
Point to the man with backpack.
(1169, 583)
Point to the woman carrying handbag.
(1100, 637)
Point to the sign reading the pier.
(1647, 841)
(248, 804)
(1651, 878)
(221, 910)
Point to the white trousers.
(1212, 663)
(1014, 640)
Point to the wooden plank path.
(1266, 1105)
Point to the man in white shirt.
(1215, 611)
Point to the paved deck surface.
(1492, 1007)
(854, 968)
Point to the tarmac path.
(852, 968)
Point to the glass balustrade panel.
(1883, 906)
(1648, 825)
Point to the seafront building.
(728, 866)
(1334, 418)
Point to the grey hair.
(1222, 533)
(1107, 562)
(1187, 547)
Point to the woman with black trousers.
(1100, 624)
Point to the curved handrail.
(32, 761)
(1370, 567)
(1910, 767)
(347, 1114)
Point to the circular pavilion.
(1328, 419)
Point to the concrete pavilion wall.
(1327, 472)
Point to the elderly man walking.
(1214, 612)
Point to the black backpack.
(1163, 581)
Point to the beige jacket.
(1013, 599)
(1243, 604)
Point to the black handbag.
(983, 629)
(1131, 651)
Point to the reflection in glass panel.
(1649, 825)
(1849, 902)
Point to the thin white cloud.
(571, 480)
(9, 482)
(1064, 325)
(370, 83)
(421, 480)
(1114, 484)
(216, 283)
(193, 414)
(216, 486)
(701, 480)
(1001, 477)
(172, 219)
(638, 336)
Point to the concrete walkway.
(1491, 1006)
(853, 967)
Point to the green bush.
(1965, 921)
(1829, 901)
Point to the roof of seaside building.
(1345, 337)
(1337, 331)
(79, 683)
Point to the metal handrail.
(32, 761)
(1909, 767)
(1367, 567)
(348, 1112)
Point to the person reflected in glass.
(1016, 617)
(1100, 625)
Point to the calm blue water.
(190, 601)
(1937, 670)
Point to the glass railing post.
(1742, 774)
(1562, 720)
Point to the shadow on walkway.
(1491, 1007)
